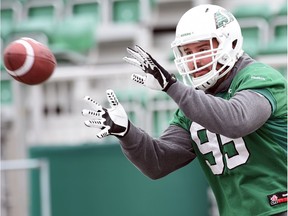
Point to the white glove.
(112, 121)
(156, 77)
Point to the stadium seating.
(38, 19)
(11, 12)
(6, 93)
(126, 11)
(73, 27)
(75, 35)
(123, 25)
(10, 15)
(278, 33)
(255, 26)
(98, 31)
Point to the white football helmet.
(204, 23)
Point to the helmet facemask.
(189, 65)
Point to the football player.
(232, 116)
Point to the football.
(29, 61)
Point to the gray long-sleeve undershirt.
(233, 118)
(158, 157)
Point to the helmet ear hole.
(234, 43)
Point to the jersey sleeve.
(266, 81)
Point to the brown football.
(29, 61)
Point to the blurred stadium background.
(51, 164)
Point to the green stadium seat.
(130, 11)
(252, 10)
(122, 17)
(75, 35)
(6, 92)
(10, 15)
(126, 11)
(278, 38)
(255, 26)
(39, 19)
(87, 8)
(72, 37)
(6, 21)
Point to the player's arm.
(158, 157)
(154, 157)
(244, 113)
(237, 117)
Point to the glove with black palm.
(112, 121)
(156, 77)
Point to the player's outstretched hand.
(112, 121)
(156, 77)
